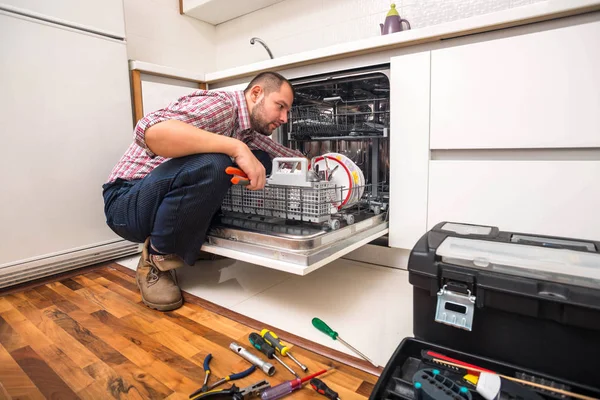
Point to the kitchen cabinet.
(558, 197)
(218, 11)
(102, 16)
(534, 90)
(499, 129)
(66, 119)
(409, 145)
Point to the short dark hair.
(270, 81)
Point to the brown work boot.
(158, 288)
(164, 262)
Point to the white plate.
(342, 178)
(358, 178)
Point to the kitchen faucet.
(255, 39)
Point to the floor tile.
(369, 306)
(228, 282)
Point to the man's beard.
(257, 124)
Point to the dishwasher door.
(290, 246)
(346, 113)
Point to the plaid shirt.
(223, 113)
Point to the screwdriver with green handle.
(323, 327)
(261, 345)
(273, 340)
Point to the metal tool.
(232, 377)
(206, 367)
(323, 327)
(266, 367)
(273, 340)
(288, 387)
(323, 389)
(234, 393)
(239, 176)
(261, 345)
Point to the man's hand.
(251, 166)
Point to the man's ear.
(256, 93)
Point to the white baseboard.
(40, 267)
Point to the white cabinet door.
(66, 120)
(158, 92)
(409, 148)
(545, 197)
(103, 16)
(536, 90)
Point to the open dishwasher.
(314, 210)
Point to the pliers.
(234, 393)
(205, 387)
(239, 176)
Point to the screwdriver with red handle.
(323, 389)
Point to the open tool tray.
(396, 381)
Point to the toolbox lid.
(580, 268)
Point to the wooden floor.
(90, 337)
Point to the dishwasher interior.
(340, 122)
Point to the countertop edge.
(161, 70)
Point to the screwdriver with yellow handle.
(273, 340)
(323, 327)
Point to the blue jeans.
(174, 204)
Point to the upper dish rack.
(335, 118)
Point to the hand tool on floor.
(206, 367)
(239, 176)
(234, 392)
(288, 387)
(261, 345)
(323, 327)
(527, 383)
(273, 340)
(205, 387)
(266, 367)
(323, 389)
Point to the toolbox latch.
(455, 309)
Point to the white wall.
(157, 33)
(293, 26)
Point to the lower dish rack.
(302, 197)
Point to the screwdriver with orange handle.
(239, 176)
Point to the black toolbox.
(521, 305)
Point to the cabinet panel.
(547, 197)
(537, 90)
(104, 16)
(409, 148)
(66, 120)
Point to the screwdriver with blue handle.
(323, 327)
